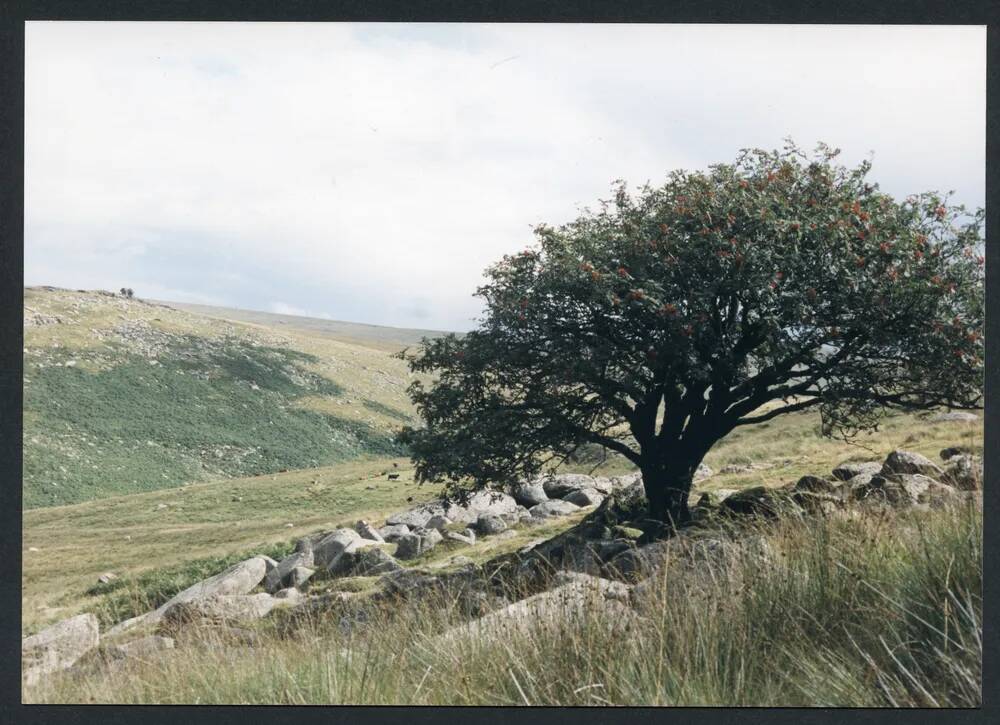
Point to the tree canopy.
(666, 318)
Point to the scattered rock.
(949, 453)
(106, 577)
(818, 502)
(461, 538)
(280, 576)
(638, 563)
(603, 485)
(58, 647)
(367, 531)
(759, 501)
(550, 509)
(142, 648)
(955, 416)
(854, 482)
(393, 532)
(412, 545)
(815, 484)
(909, 462)
(899, 489)
(225, 609)
(334, 544)
(238, 579)
(848, 470)
(300, 575)
(488, 524)
(365, 562)
(480, 502)
(575, 599)
(692, 562)
(407, 582)
(703, 472)
(584, 497)
(437, 521)
(628, 481)
(964, 472)
(562, 484)
(939, 495)
(530, 494)
(308, 543)
(290, 594)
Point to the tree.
(666, 319)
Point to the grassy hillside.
(123, 396)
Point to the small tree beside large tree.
(666, 319)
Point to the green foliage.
(663, 321)
(201, 410)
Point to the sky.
(371, 172)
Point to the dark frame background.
(12, 18)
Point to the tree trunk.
(667, 489)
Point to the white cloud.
(374, 171)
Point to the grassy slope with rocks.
(122, 396)
(863, 611)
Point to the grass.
(871, 611)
